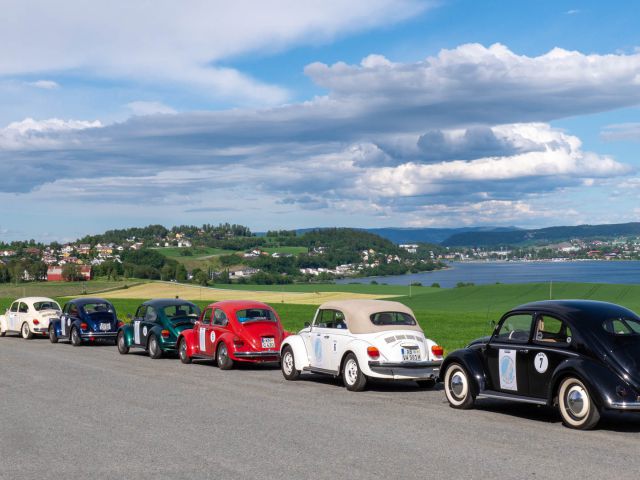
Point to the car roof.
(239, 304)
(358, 313)
(86, 300)
(579, 310)
(166, 302)
(33, 299)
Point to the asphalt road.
(89, 412)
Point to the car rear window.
(392, 318)
(39, 306)
(622, 326)
(178, 312)
(255, 314)
(97, 307)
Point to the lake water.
(626, 272)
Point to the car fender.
(300, 354)
(56, 325)
(3, 323)
(127, 330)
(601, 381)
(190, 339)
(157, 331)
(472, 362)
(358, 347)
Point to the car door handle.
(524, 350)
(326, 336)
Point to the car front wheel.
(576, 405)
(457, 387)
(53, 338)
(122, 343)
(288, 364)
(26, 331)
(154, 348)
(182, 351)
(353, 378)
(222, 357)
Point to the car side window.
(150, 315)
(23, 308)
(331, 319)
(142, 309)
(219, 318)
(206, 316)
(73, 310)
(550, 330)
(14, 307)
(515, 329)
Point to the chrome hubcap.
(183, 349)
(351, 370)
(577, 402)
(457, 384)
(222, 355)
(25, 330)
(288, 363)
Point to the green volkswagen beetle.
(156, 326)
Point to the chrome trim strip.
(424, 364)
(270, 353)
(513, 398)
(624, 405)
(531, 346)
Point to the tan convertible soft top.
(358, 314)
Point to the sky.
(297, 114)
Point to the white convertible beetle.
(29, 316)
(361, 339)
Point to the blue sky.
(286, 114)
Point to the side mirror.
(307, 325)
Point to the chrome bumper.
(624, 405)
(426, 364)
(268, 353)
(99, 335)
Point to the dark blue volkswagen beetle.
(86, 319)
(582, 356)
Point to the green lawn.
(332, 287)
(289, 250)
(452, 316)
(198, 252)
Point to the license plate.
(411, 354)
(268, 343)
(105, 327)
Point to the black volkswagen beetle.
(583, 356)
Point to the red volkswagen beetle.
(233, 331)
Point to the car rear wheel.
(457, 387)
(182, 351)
(577, 408)
(222, 357)
(26, 331)
(288, 364)
(353, 378)
(122, 343)
(154, 349)
(53, 338)
(76, 341)
(426, 384)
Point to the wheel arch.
(600, 381)
(300, 355)
(471, 362)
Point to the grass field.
(198, 252)
(332, 287)
(62, 289)
(289, 250)
(452, 316)
(192, 292)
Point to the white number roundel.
(213, 337)
(541, 362)
(144, 331)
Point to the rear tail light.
(36, 321)
(437, 350)
(83, 326)
(165, 333)
(120, 324)
(373, 352)
(238, 342)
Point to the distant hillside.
(541, 236)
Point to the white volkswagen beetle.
(29, 316)
(361, 339)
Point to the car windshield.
(622, 326)
(97, 307)
(181, 313)
(255, 315)
(392, 318)
(46, 305)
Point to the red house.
(54, 273)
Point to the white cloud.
(149, 108)
(161, 42)
(37, 134)
(44, 84)
(622, 131)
